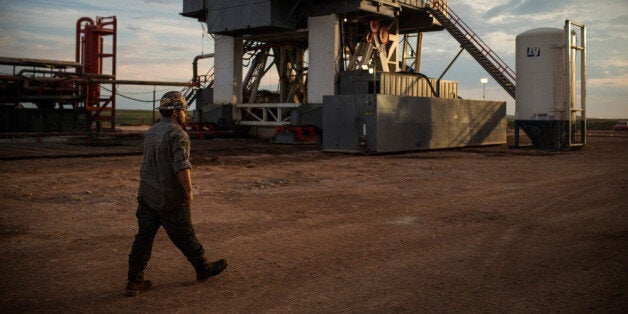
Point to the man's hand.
(185, 178)
(187, 201)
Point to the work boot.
(134, 288)
(210, 270)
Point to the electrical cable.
(144, 93)
(428, 81)
(127, 97)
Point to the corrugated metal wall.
(406, 85)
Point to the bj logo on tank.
(534, 52)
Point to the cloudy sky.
(156, 43)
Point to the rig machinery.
(350, 70)
(68, 97)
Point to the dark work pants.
(178, 226)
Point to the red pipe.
(78, 35)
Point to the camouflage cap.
(173, 100)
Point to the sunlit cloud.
(617, 81)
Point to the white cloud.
(500, 42)
(480, 6)
(615, 82)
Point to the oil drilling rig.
(350, 69)
(347, 72)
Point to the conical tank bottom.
(545, 133)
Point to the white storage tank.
(540, 62)
(539, 68)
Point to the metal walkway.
(472, 43)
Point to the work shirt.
(166, 153)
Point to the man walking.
(165, 196)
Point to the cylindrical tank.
(540, 76)
(540, 63)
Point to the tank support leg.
(516, 134)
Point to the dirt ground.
(487, 229)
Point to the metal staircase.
(472, 43)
